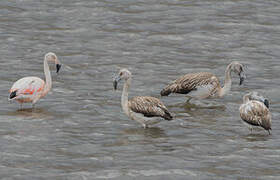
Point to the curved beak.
(242, 77)
(58, 66)
(115, 83)
(266, 103)
(13, 94)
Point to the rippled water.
(79, 131)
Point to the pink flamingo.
(31, 89)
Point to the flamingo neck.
(125, 96)
(227, 83)
(47, 72)
(246, 99)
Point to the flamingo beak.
(242, 77)
(115, 83)
(13, 94)
(58, 66)
(266, 103)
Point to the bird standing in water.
(143, 109)
(254, 111)
(204, 84)
(30, 89)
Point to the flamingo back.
(256, 113)
(199, 85)
(28, 88)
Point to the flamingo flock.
(146, 110)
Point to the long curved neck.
(47, 72)
(245, 98)
(125, 96)
(227, 83)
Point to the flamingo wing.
(149, 107)
(203, 81)
(27, 86)
(256, 113)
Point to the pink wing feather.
(28, 86)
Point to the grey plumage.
(255, 113)
(204, 84)
(257, 97)
(190, 82)
(143, 109)
(149, 107)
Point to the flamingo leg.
(189, 99)
(35, 100)
(251, 130)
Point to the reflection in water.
(152, 132)
(189, 106)
(138, 136)
(184, 110)
(33, 113)
(150, 137)
(256, 136)
(201, 105)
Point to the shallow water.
(78, 131)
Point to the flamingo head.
(238, 68)
(256, 96)
(123, 74)
(53, 58)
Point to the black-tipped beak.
(115, 83)
(58, 66)
(13, 94)
(242, 78)
(266, 103)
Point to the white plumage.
(31, 89)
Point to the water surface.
(78, 131)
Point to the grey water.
(78, 131)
